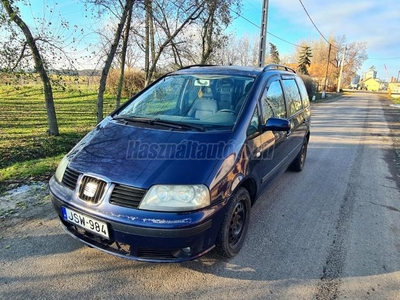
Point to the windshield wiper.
(178, 125)
(134, 119)
(158, 121)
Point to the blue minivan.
(174, 172)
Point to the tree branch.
(21, 56)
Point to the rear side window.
(292, 95)
(273, 102)
(303, 92)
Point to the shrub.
(133, 82)
(311, 86)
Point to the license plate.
(90, 224)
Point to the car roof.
(233, 70)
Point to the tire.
(298, 163)
(235, 224)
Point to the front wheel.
(235, 224)
(298, 163)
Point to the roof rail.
(193, 66)
(278, 67)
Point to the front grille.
(92, 189)
(70, 178)
(126, 196)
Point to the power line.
(239, 15)
(279, 38)
(314, 24)
(251, 22)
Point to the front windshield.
(211, 101)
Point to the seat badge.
(90, 189)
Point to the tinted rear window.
(303, 92)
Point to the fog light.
(187, 250)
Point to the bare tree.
(355, 55)
(126, 7)
(123, 57)
(242, 51)
(39, 64)
(171, 17)
(214, 20)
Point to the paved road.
(330, 232)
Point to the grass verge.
(27, 153)
(396, 100)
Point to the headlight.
(176, 198)
(61, 169)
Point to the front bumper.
(189, 236)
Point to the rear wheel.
(298, 164)
(235, 224)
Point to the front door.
(274, 143)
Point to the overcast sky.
(376, 22)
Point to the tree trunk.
(103, 80)
(152, 37)
(39, 66)
(123, 58)
(207, 47)
(150, 54)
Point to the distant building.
(394, 87)
(355, 81)
(371, 73)
(371, 84)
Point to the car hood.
(142, 156)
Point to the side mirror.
(276, 124)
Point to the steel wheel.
(235, 224)
(298, 163)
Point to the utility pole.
(341, 71)
(263, 35)
(326, 72)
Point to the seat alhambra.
(174, 172)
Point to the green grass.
(36, 169)
(26, 151)
(396, 101)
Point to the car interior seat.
(226, 95)
(204, 105)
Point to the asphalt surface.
(329, 232)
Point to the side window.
(303, 92)
(292, 95)
(254, 124)
(273, 102)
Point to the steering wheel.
(229, 111)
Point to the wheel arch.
(251, 186)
